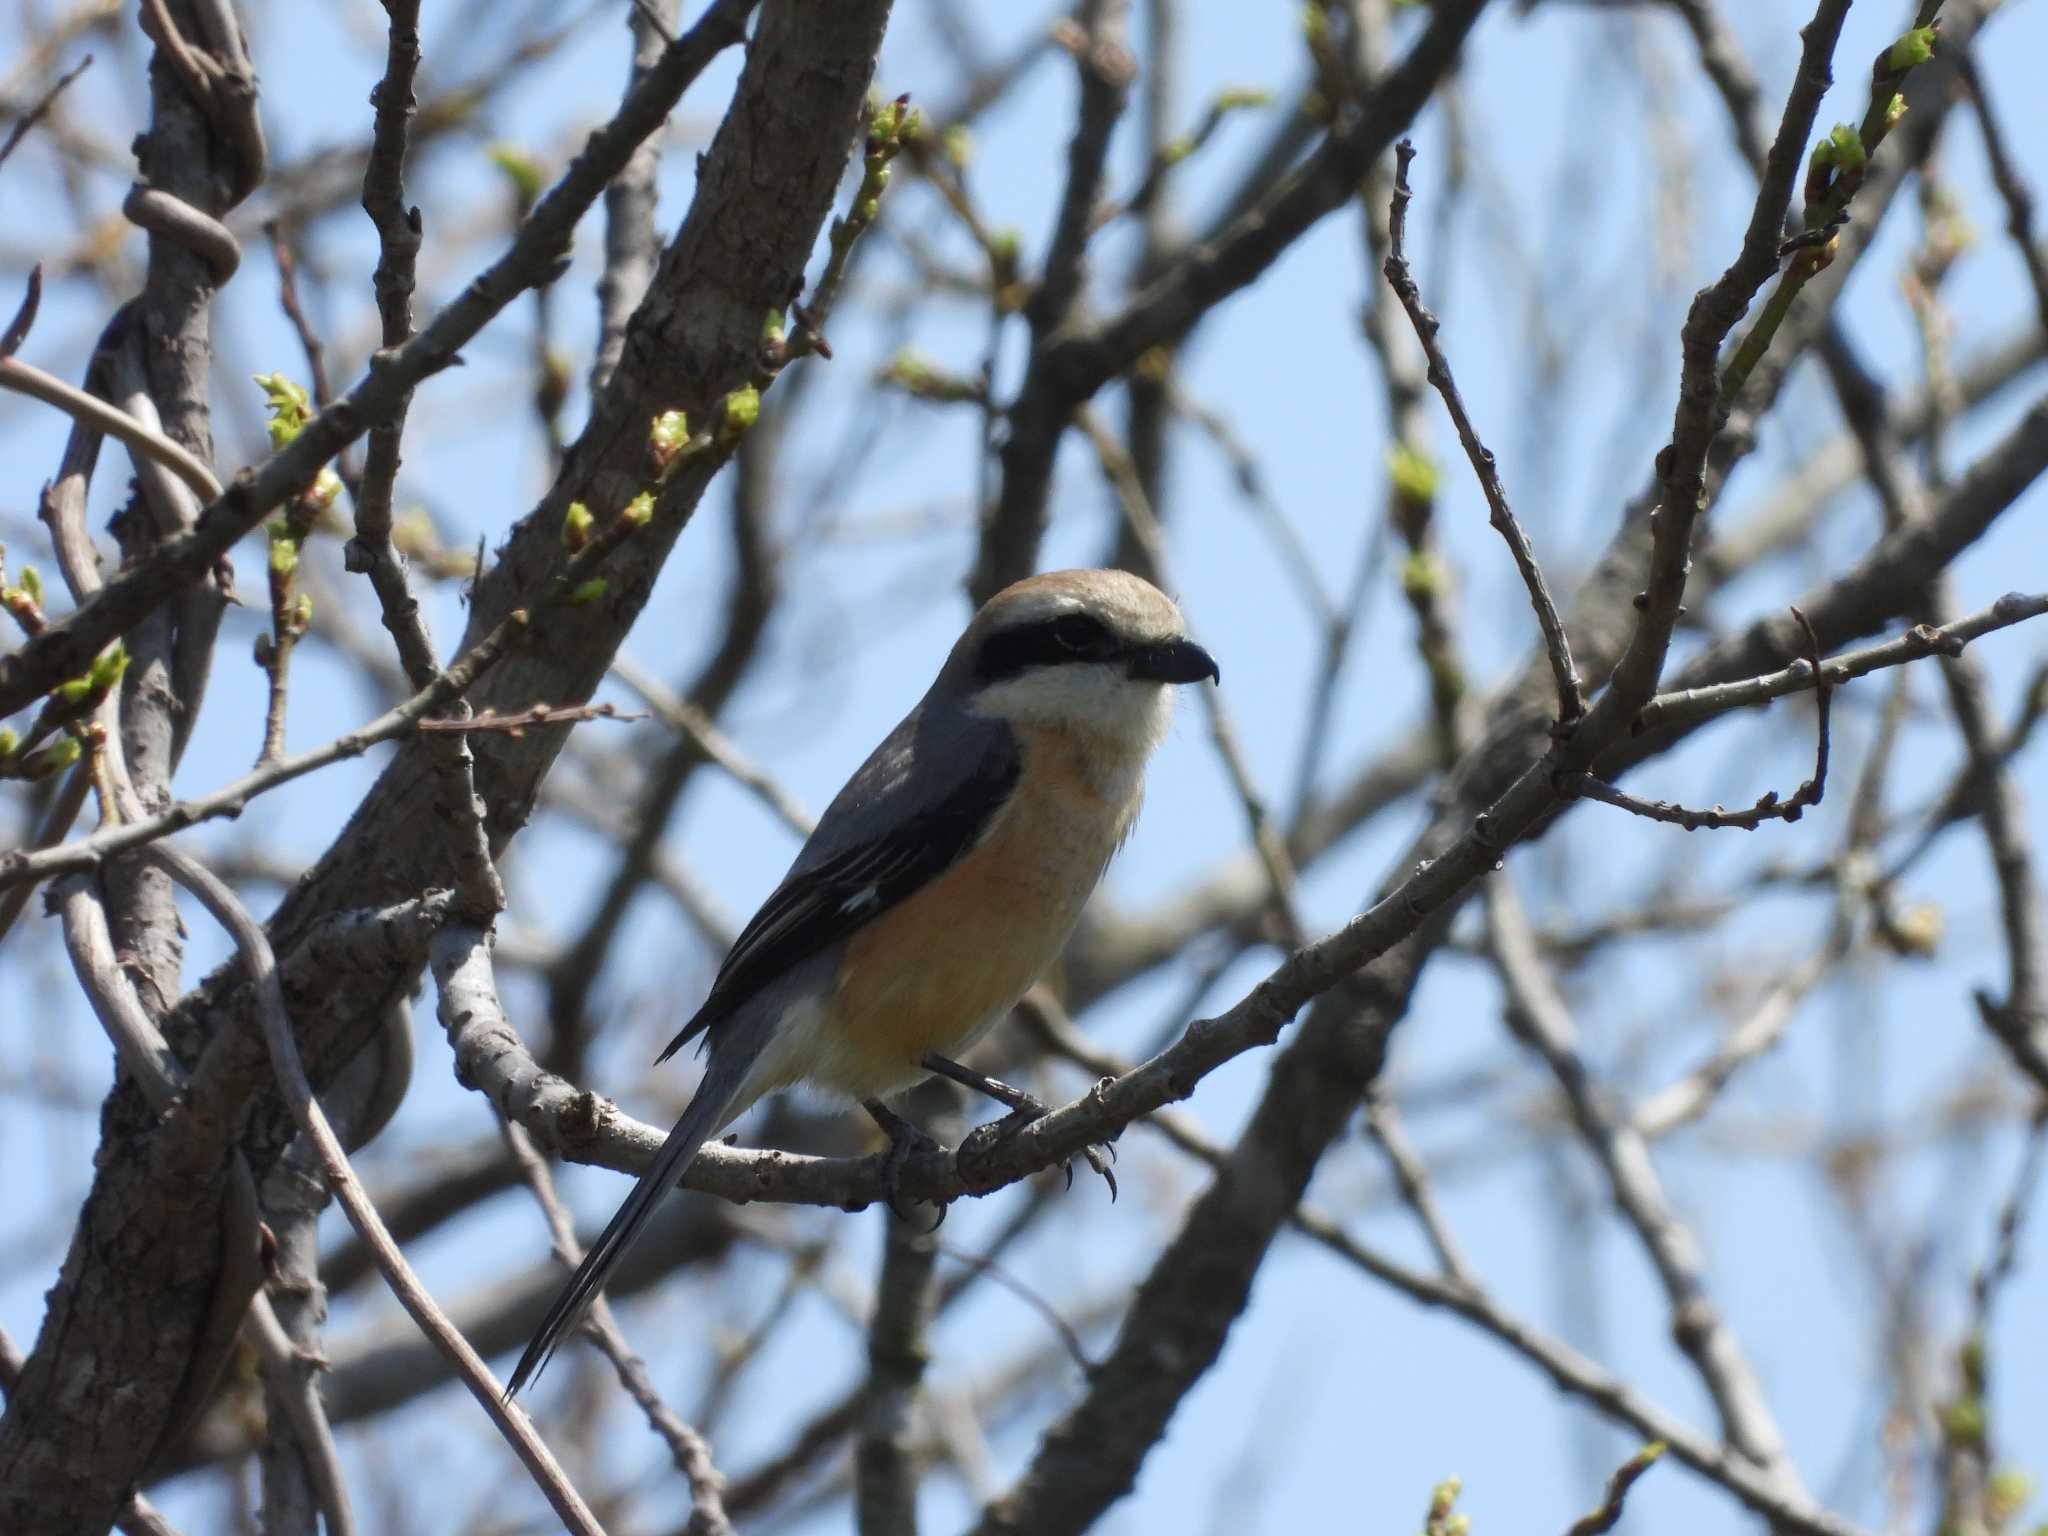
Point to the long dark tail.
(708, 1111)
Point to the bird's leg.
(1022, 1106)
(1023, 1110)
(905, 1142)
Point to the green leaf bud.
(289, 405)
(1414, 474)
(325, 492)
(1844, 148)
(107, 668)
(2006, 1492)
(738, 412)
(1962, 1422)
(1911, 50)
(520, 169)
(52, 757)
(1421, 577)
(666, 438)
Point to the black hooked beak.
(1173, 661)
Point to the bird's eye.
(1080, 634)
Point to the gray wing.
(923, 798)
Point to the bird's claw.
(1094, 1153)
(904, 1144)
(987, 1137)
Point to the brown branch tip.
(1768, 808)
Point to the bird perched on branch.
(940, 883)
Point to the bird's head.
(1093, 651)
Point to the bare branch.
(34, 115)
(899, 1349)
(517, 1429)
(24, 317)
(1688, 705)
(1538, 1015)
(102, 417)
(526, 719)
(1570, 700)
(686, 1447)
(1768, 808)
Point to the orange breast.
(937, 969)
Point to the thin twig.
(1688, 706)
(57, 819)
(294, 311)
(1411, 1177)
(1143, 524)
(291, 1373)
(36, 113)
(1767, 808)
(1064, 1331)
(686, 1447)
(1538, 1015)
(1608, 1515)
(1692, 1095)
(687, 720)
(254, 945)
(520, 722)
(1172, 154)
(2019, 200)
(24, 317)
(2020, 1018)
(2012, 1213)
(1571, 703)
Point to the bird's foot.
(1024, 1109)
(906, 1141)
(986, 1138)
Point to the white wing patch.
(866, 896)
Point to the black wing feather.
(822, 901)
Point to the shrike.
(941, 881)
